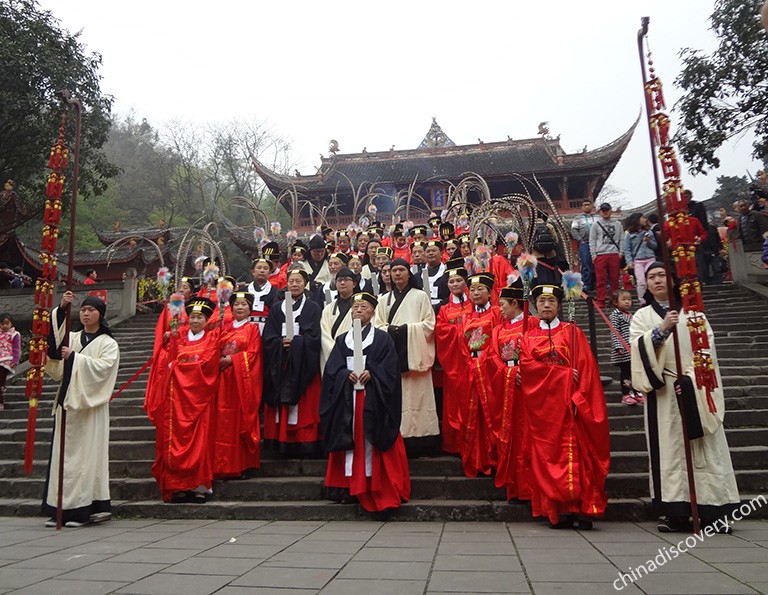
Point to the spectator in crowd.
(639, 250)
(750, 226)
(90, 277)
(606, 242)
(580, 229)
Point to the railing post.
(130, 289)
(592, 324)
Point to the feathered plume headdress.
(511, 240)
(472, 265)
(572, 285)
(258, 234)
(224, 290)
(275, 228)
(176, 304)
(526, 264)
(291, 235)
(210, 274)
(483, 256)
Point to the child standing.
(621, 318)
(10, 351)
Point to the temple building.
(345, 184)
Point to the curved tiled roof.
(541, 155)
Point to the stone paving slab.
(238, 557)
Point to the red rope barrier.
(131, 379)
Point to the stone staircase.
(292, 489)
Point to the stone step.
(743, 458)
(310, 488)
(415, 510)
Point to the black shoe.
(564, 522)
(180, 497)
(674, 524)
(583, 525)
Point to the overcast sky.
(374, 74)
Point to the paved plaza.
(369, 558)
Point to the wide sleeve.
(421, 334)
(93, 375)
(326, 335)
(336, 400)
(647, 361)
(382, 412)
(305, 348)
(247, 365)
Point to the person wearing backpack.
(606, 243)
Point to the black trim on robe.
(382, 410)
(288, 372)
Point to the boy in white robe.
(654, 373)
(87, 368)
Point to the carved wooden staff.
(641, 34)
(68, 100)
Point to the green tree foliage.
(726, 92)
(37, 60)
(729, 190)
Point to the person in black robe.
(367, 458)
(291, 393)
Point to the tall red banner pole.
(68, 100)
(650, 110)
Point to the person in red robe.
(565, 407)
(182, 465)
(502, 364)
(479, 414)
(400, 247)
(277, 277)
(361, 424)
(501, 268)
(153, 396)
(449, 341)
(235, 434)
(292, 372)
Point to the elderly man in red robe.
(565, 407)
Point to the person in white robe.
(87, 369)
(407, 314)
(336, 318)
(654, 373)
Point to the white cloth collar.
(239, 323)
(195, 336)
(481, 309)
(349, 339)
(258, 294)
(296, 313)
(549, 326)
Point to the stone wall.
(121, 299)
(746, 267)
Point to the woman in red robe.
(502, 362)
(566, 412)
(449, 339)
(479, 413)
(182, 465)
(159, 367)
(235, 435)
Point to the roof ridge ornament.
(436, 138)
